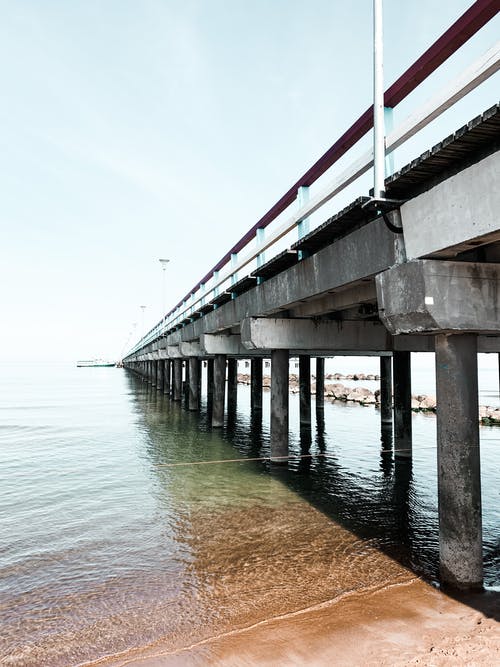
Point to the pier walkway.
(415, 267)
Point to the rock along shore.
(339, 392)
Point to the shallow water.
(107, 543)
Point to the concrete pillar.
(459, 481)
(177, 380)
(166, 377)
(279, 405)
(194, 397)
(402, 404)
(256, 383)
(185, 384)
(219, 390)
(320, 383)
(210, 379)
(305, 389)
(156, 365)
(232, 384)
(386, 392)
(161, 374)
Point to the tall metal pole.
(378, 103)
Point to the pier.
(413, 267)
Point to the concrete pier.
(279, 405)
(210, 380)
(232, 383)
(194, 397)
(459, 482)
(177, 380)
(256, 383)
(219, 390)
(402, 404)
(160, 375)
(305, 389)
(386, 392)
(167, 376)
(320, 384)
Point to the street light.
(143, 308)
(163, 263)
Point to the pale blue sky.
(133, 130)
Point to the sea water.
(125, 520)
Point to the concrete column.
(320, 383)
(459, 481)
(402, 404)
(194, 397)
(161, 374)
(279, 405)
(256, 383)
(219, 390)
(232, 383)
(177, 380)
(305, 389)
(156, 365)
(386, 392)
(166, 377)
(185, 384)
(210, 379)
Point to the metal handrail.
(458, 34)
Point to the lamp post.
(163, 263)
(143, 308)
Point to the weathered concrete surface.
(177, 380)
(191, 349)
(305, 390)
(426, 296)
(301, 334)
(256, 384)
(402, 405)
(459, 482)
(386, 391)
(219, 391)
(279, 405)
(461, 209)
(320, 383)
(173, 352)
(193, 397)
(229, 344)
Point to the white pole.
(378, 102)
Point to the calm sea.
(108, 543)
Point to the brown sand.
(403, 624)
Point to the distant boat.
(95, 363)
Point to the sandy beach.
(404, 624)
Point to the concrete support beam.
(232, 384)
(320, 384)
(191, 349)
(174, 352)
(279, 405)
(219, 390)
(402, 405)
(386, 392)
(459, 482)
(177, 380)
(194, 397)
(256, 384)
(307, 334)
(305, 390)
(461, 209)
(432, 296)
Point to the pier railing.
(250, 249)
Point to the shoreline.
(488, 416)
(402, 624)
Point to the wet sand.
(403, 624)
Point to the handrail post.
(261, 257)
(303, 226)
(389, 126)
(234, 276)
(216, 288)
